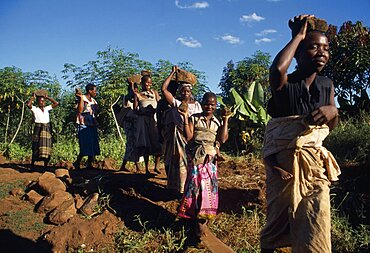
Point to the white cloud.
(266, 40)
(265, 32)
(251, 18)
(189, 42)
(231, 39)
(196, 5)
(273, 0)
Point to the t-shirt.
(41, 116)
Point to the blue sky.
(46, 34)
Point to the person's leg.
(77, 163)
(46, 161)
(123, 165)
(90, 160)
(156, 164)
(137, 167)
(146, 161)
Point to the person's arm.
(80, 105)
(279, 67)
(223, 133)
(165, 84)
(54, 103)
(327, 114)
(29, 104)
(188, 125)
(157, 97)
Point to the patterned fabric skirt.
(88, 140)
(175, 157)
(41, 142)
(200, 199)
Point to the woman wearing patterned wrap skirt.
(202, 130)
(173, 131)
(41, 137)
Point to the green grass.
(346, 238)
(22, 221)
(350, 140)
(5, 188)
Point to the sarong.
(200, 199)
(298, 210)
(174, 150)
(41, 142)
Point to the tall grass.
(350, 140)
(67, 149)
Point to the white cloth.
(192, 107)
(41, 116)
(87, 116)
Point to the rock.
(50, 184)
(33, 197)
(107, 164)
(16, 192)
(78, 201)
(53, 200)
(89, 206)
(61, 214)
(62, 173)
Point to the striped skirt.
(41, 141)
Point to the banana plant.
(249, 106)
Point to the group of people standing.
(185, 131)
(298, 168)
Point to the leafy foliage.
(349, 67)
(109, 73)
(240, 75)
(244, 91)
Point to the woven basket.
(41, 93)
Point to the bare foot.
(285, 175)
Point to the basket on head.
(78, 91)
(41, 93)
(317, 24)
(134, 79)
(313, 24)
(185, 77)
(146, 73)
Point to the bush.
(346, 238)
(350, 140)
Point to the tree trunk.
(7, 125)
(115, 119)
(19, 125)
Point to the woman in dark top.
(298, 168)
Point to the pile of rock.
(50, 196)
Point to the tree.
(109, 73)
(240, 75)
(349, 66)
(244, 88)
